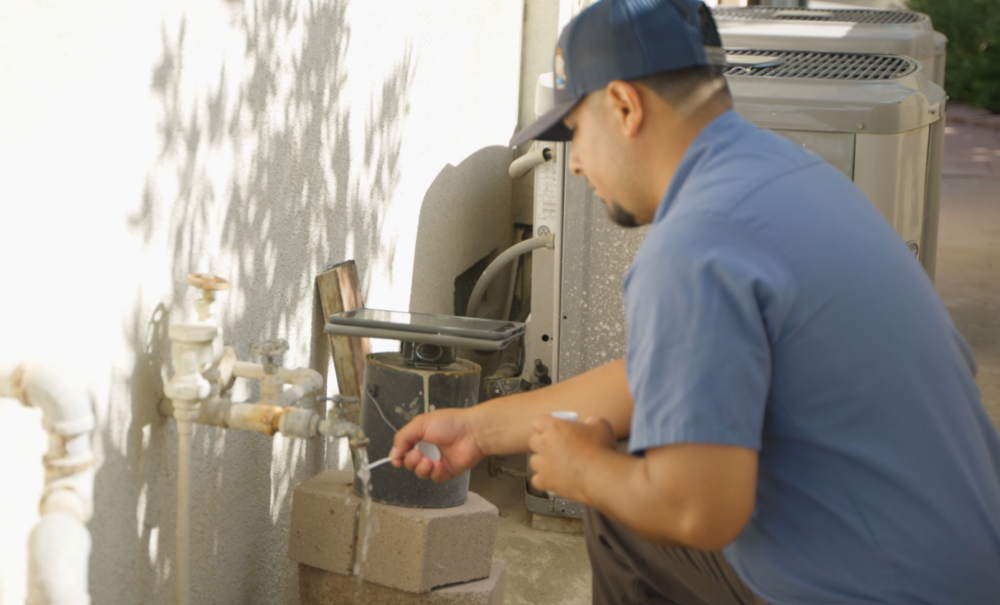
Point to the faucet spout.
(336, 428)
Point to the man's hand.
(449, 430)
(564, 451)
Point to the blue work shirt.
(772, 307)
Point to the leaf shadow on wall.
(292, 201)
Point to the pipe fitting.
(529, 161)
(302, 424)
(336, 428)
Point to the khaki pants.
(630, 570)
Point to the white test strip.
(378, 463)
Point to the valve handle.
(269, 348)
(207, 281)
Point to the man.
(794, 392)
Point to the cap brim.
(549, 127)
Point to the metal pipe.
(269, 419)
(193, 353)
(59, 544)
(302, 380)
(184, 430)
(546, 241)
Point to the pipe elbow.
(529, 161)
(63, 398)
(309, 379)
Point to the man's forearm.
(620, 486)
(691, 494)
(503, 426)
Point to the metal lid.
(823, 66)
(444, 330)
(873, 17)
(832, 92)
(868, 31)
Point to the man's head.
(629, 136)
(635, 81)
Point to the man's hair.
(687, 89)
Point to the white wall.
(262, 141)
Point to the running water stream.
(365, 523)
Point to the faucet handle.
(269, 349)
(207, 281)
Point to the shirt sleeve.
(699, 356)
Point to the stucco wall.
(262, 141)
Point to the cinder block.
(412, 549)
(320, 587)
(417, 549)
(324, 524)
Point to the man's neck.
(679, 133)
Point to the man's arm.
(688, 494)
(504, 426)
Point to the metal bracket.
(555, 506)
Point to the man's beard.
(620, 216)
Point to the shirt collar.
(721, 131)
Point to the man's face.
(597, 155)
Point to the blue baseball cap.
(623, 40)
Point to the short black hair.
(678, 86)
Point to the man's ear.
(625, 103)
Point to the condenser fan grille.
(876, 17)
(817, 65)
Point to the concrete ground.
(553, 568)
(542, 567)
(968, 268)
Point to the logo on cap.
(560, 70)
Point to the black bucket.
(393, 395)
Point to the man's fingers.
(411, 459)
(534, 462)
(443, 472)
(407, 437)
(535, 442)
(424, 468)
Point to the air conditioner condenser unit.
(892, 32)
(875, 118)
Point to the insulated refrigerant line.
(544, 241)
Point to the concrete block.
(410, 549)
(324, 525)
(417, 549)
(320, 587)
